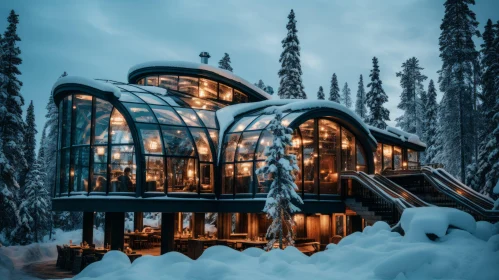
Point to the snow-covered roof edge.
(100, 85)
(194, 65)
(402, 135)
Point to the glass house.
(174, 140)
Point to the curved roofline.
(193, 68)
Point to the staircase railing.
(411, 198)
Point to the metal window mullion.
(316, 158)
(72, 127)
(109, 150)
(92, 142)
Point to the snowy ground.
(463, 249)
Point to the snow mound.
(113, 261)
(417, 223)
(100, 85)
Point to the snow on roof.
(402, 135)
(194, 65)
(97, 84)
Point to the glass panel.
(247, 146)
(225, 92)
(361, 158)
(182, 175)
(150, 99)
(290, 118)
(328, 156)
(79, 173)
(240, 97)
(397, 158)
(261, 122)
(177, 141)
(99, 181)
(120, 132)
(413, 159)
(123, 169)
(387, 157)
(230, 141)
(66, 122)
(265, 141)
(128, 97)
(188, 116)
(65, 164)
(83, 119)
(208, 89)
(208, 118)
(295, 149)
(151, 141)
(202, 144)
(347, 150)
(244, 177)
(207, 177)
(140, 113)
(309, 156)
(378, 159)
(169, 82)
(188, 85)
(172, 101)
(152, 81)
(103, 111)
(140, 82)
(242, 123)
(166, 115)
(228, 178)
(197, 103)
(214, 137)
(263, 180)
(155, 175)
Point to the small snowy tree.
(346, 98)
(360, 103)
(320, 94)
(375, 99)
(260, 84)
(334, 92)
(269, 90)
(280, 166)
(224, 63)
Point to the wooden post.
(325, 229)
(138, 221)
(224, 224)
(313, 227)
(198, 225)
(117, 230)
(252, 225)
(167, 232)
(88, 227)
(300, 229)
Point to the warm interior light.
(190, 173)
(153, 145)
(201, 93)
(100, 151)
(203, 150)
(72, 173)
(344, 145)
(117, 155)
(404, 164)
(117, 120)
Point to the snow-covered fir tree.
(260, 84)
(52, 131)
(346, 97)
(456, 77)
(320, 94)
(411, 80)
(269, 90)
(360, 102)
(334, 92)
(431, 124)
(290, 84)
(375, 98)
(280, 166)
(29, 139)
(224, 63)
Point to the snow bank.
(100, 85)
(193, 65)
(376, 253)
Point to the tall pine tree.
(224, 63)
(334, 92)
(411, 81)
(456, 78)
(290, 84)
(431, 124)
(29, 139)
(320, 94)
(346, 97)
(360, 102)
(52, 130)
(375, 99)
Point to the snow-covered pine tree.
(360, 102)
(224, 63)
(456, 77)
(346, 97)
(320, 94)
(29, 140)
(375, 99)
(411, 81)
(290, 84)
(423, 96)
(334, 92)
(260, 84)
(280, 166)
(431, 124)
(52, 129)
(269, 90)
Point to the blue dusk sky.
(103, 39)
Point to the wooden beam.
(117, 230)
(167, 232)
(88, 227)
(198, 225)
(138, 221)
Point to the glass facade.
(391, 157)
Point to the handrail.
(487, 200)
(461, 195)
(408, 196)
